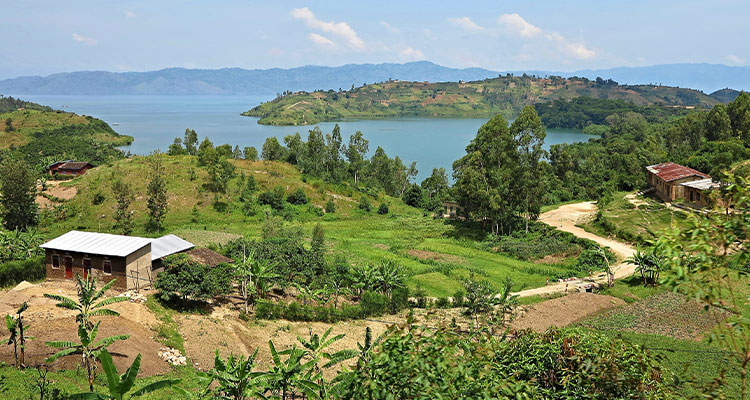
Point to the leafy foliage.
(18, 208)
(185, 280)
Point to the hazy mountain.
(172, 81)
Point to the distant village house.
(452, 209)
(676, 182)
(133, 261)
(69, 167)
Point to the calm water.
(154, 122)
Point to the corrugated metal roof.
(702, 184)
(670, 171)
(167, 245)
(107, 244)
(97, 243)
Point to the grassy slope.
(361, 237)
(28, 122)
(506, 95)
(632, 223)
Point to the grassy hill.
(506, 95)
(438, 253)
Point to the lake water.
(154, 122)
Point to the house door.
(69, 267)
(86, 267)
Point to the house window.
(691, 196)
(55, 261)
(107, 267)
(697, 197)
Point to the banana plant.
(235, 378)
(18, 337)
(89, 348)
(87, 305)
(289, 377)
(119, 386)
(315, 350)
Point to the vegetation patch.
(434, 256)
(666, 314)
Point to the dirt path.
(565, 219)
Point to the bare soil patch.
(431, 255)
(564, 311)
(50, 323)
(381, 246)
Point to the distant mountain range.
(237, 81)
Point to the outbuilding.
(129, 259)
(69, 167)
(668, 179)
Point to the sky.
(45, 37)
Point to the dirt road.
(565, 219)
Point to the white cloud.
(321, 40)
(466, 24)
(736, 60)
(339, 29)
(84, 39)
(518, 25)
(390, 28)
(409, 53)
(130, 14)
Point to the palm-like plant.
(88, 348)
(243, 272)
(316, 350)
(263, 275)
(363, 278)
(18, 337)
(648, 264)
(119, 385)
(88, 304)
(235, 378)
(389, 276)
(291, 376)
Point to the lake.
(154, 122)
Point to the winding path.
(565, 219)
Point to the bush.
(184, 280)
(364, 204)
(98, 199)
(413, 196)
(330, 206)
(383, 209)
(315, 210)
(373, 303)
(442, 302)
(298, 197)
(273, 198)
(399, 300)
(458, 298)
(14, 272)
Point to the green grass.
(635, 224)
(167, 332)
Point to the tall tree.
(236, 153)
(18, 207)
(295, 148)
(124, 197)
(207, 154)
(314, 160)
(156, 193)
(718, 124)
(435, 187)
(175, 149)
(190, 142)
(484, 176)
(356, 153)
(334, 147)
(272, 150)
(250, 153)
(739, 114)
(529, 133)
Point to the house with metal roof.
(677, 182)
(129, 259)
(69, 167)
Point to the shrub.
(98, 199)
(273, 198)
(185, 280)
(298, 197)
(330, 206)
(413, 196)
(383, 209)
(364, 204)
(442, 302)
(399, 300)
(315, 210)
(458, 298)
(14, 272)
(373, 303)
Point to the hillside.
(40, 133)
(506, 95)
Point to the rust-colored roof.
(670, 171)
(75, 165)
(207, 257)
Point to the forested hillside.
(505, 95)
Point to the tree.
(250, 153)
(272, 150)
(295, 149)
(389, 276)
(289, 377)
(176, 149)
(156, 193)
(88, 348)
(356, 153)
(313, 162)
(529, 133)
(330, 206)
(718, 124)
(739, 115)
(273, 198)
(648, 264)
(236, 153)
(191, 141)
(91, 301)
(413, 196)
(119, 386)
(9, 125)
(185, 280)
(383, 208)
(254, 276)
(124, 196)
(219, 175)
(18, 208)
(17, 331)
(207, 154)
(316, 352)
(333, 162)
(435, 189)
(364, 204)
(298, 197)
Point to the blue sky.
(44, 37)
